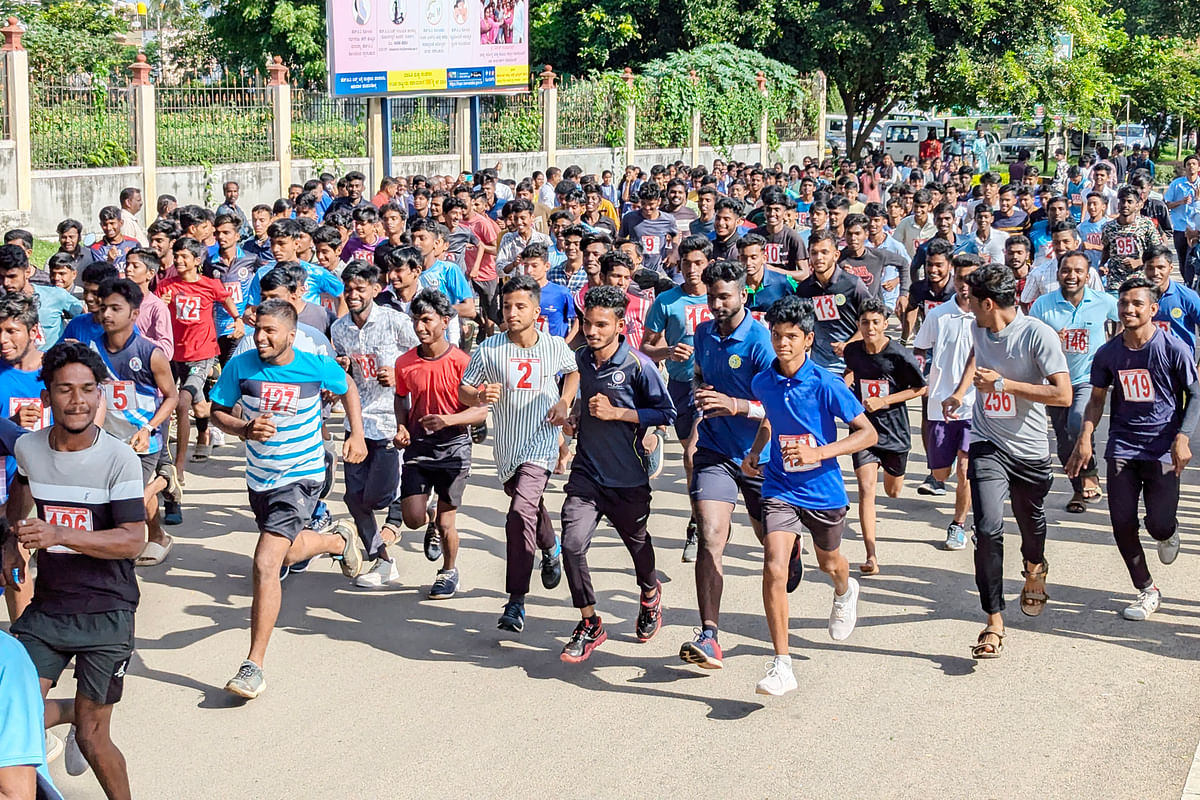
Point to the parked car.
(1129, 135)
(1029, 136)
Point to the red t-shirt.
(488, 233)
(432, 386)
(192, 322)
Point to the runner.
(802, 485)
(54, 305)
(368, 340)
(763, 286)
(621, 395)
(433, 427)
(1153, 414)
(649, 225)
(279, 391)
(730, 349)
(515, 372)
(236, 269)
(1178, 306)
(557, 313)
(1126, 238)
(884, 377)
(836, 297)
(89, 526)
(1080, 316)
(784, 250)
(1009, 454)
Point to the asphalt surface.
(389, 694)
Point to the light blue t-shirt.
(1089, 232)
(448, 279)
(1080, 328)
(52, 303)
(320, 281)
(22, 714)
(1180, 189)
(676, 315)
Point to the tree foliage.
(70, 36)
(248, 32)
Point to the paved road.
(388, 694)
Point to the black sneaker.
(513, 618)
(172, 513)
(650, 617)
(433, 542)
(932, 487)
(691, 543)
(585, 639)
(795, 568)
(479, 433)
(552, 565)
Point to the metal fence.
(422, 126)
(326, 128)
(589, 115)
(794, 126)
(510, 123)
(80, 121)
(214, 125)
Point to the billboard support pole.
(475, 159)
(385, 119)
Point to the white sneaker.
(54, 746)
(1147, 603)
(383, 573)
(73, 758)
(1168, 550)
(844, 613)
(216, 436)
(779, 680)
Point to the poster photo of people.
(502, 21)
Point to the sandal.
(1092, 493)
(154, 553)
(869, 567)
(1076, 505)
(1033, 601)
(990, 643)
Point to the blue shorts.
(945, 440)
(685, 407)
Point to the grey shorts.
(285, 510)
(192, 375)
(824, 524)
(715, 476)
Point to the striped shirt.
(291, 395)
(131, 394)
(528, 377)
(386, 335)
(95, 489)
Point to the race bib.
(187, 307)
(1163, 325)
(999, 405)
(367, 364)
(802, 219)
(235, 293)
(280, 398)
(1136, 385)
(874, 388)
(543, 324)
(775, 253)
(1124, 246)
(1094, 238)
(693, 316)
(525, 374)
(119, 394)
(761, 318)
(1076, 199)
(1074, 340)
(39, 337)
(15, 403)
(826, 308)
(652, 245)
(930, 305)
(79, 519)
(801, 438)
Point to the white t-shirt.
(1043, 279)
(947, 334)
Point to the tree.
(578, 36)
(247, 32)
(72, 36)
(1162, 79)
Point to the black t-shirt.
(784, 249)
(836, 307)
(868, 267)
(887, 372)
(924, 297)
(726, 250)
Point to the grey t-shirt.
(1027, 350)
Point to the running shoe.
(217, 436)
(433, 542)
(650, 616)
(351, 560)
(795, 565)
(54, 747)
(513, 618)
(172, 513)
(779, 680)
(704, 651)
(552, 565)
(322, 518)
(1147, 603)
(249, 682)
(956, 537)
(173, 493)
(586, 638)
(654, 458)
(932, 487)
(479, 432)
(300, 566)
(1168, 549)
(73, 759)
(844, 614)
(444, 585)
(691, 543)
(378, 576)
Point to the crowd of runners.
(771, 320)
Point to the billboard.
(417, 47)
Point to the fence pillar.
(145, 135)
(375, 153)
(280, 92)
(630, 119)
(820, 95)
(694, 137)
(462, 132)
(16, 62)
(549, 115)
(762, 123)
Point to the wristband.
(755, 410)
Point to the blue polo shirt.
(774, 286)
(1080, 328)
(320, 281)
(1179, 313)
(807, 405)
(677, 315)
(557, 310)
(729, 364)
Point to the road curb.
(1191, 789)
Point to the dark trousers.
(1158, 486)
(1181, 250)
(527, 526)
(1068, 422)
(370, 486)
(627, 509)
(994, 474)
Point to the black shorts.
(715, 476)
(825, 524)
(227, 344)
(285, 510)
(893, 464)
(489, 298)
(192, 375)
(101, 644)
(685, 407)
(421, 478)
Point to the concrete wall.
(8, 174)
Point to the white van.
(903, 137)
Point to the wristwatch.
(998, 385)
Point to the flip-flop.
(154, 553)
(1076, 506)
(201, 452)
(1093, 494)
(868, 568)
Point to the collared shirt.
(384, 337)
(1179, 313)
(1043, 280)
(804, 408)
(558, 274)
(836, 307)
(912, 235)
(774, 286)
(729, 364)
(1081, 328)
(511, 246)
(610, 453)
(946, 334)
(131, 226)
